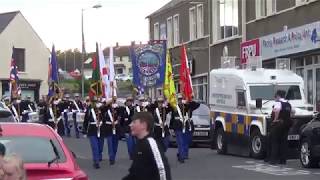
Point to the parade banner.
(148, 64)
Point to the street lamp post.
(83, 49)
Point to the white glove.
(144, 104)
(85, 136)
(184, 101)
(56, 102)
(18, 101)
(98, 105)
(114, 105)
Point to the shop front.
(28, 88)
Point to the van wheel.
(257, 145)
(221, 142)
(306, 158)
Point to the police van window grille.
(268, 92)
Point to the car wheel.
(257, 145)
(221, 142)
(306, 158)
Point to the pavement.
(204, 164)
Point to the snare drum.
(33, 117)
(80, 117)
(70, 116)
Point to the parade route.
(204, 164)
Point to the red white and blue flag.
(15, 90)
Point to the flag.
(113, 83)
(53, 76)
(96, 85)
(185, 79)
(104, 72)
(14, 88)
(169, 89)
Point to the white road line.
(273, 170)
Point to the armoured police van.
(241, 103)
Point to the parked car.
(5, 113)
(201, 120)
(310, 143)
(42, 150)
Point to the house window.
(176, 39)
(200, 23)
(156, 31)
(300, 2)
(228, 23)
(271, 6)
(192, 23)
(260, 8)
(199, 86)
(120, 59)
(169, 32)
(19, 55)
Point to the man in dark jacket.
(149, 161)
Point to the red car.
(43, 151)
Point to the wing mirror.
(258, 103)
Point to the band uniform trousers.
(181, 144)
(131, 142)
(75, 125)
(66, 123)
(113, 141)
(96, 148)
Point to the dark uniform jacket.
(90, 127)
(116, 114)
(176, 123)
(126, 121)
(149, 162)
(49, 120)
(157, 130)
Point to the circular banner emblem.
(148, 63)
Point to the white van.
(238, 125)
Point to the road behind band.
(106, 120)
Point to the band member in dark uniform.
(142, 105)
(53, 115)
(161, 127)
(112, 114)
(182, 124)
(42, 106)
(77, 107)
(66, 106)
(93, 126)
(126, 121)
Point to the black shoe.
(283, 162)
(181, 161)
(272, 163)
(112, 162)
(96, 165)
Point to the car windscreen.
(33, 149)
(267, 92)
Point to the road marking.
(273, 170)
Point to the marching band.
(101, 120)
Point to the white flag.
(103, 71)
(113, 83)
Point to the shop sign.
(28, 85)
(249, 49)
(295, 40)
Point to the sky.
(58, 22)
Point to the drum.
(70, 117)
(33, 117)
(80, 117)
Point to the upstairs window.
(192, 23)
(169, 32)
(200, 24)
(229, 21)
(19, 55)
(156, 31)
(176, 38)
